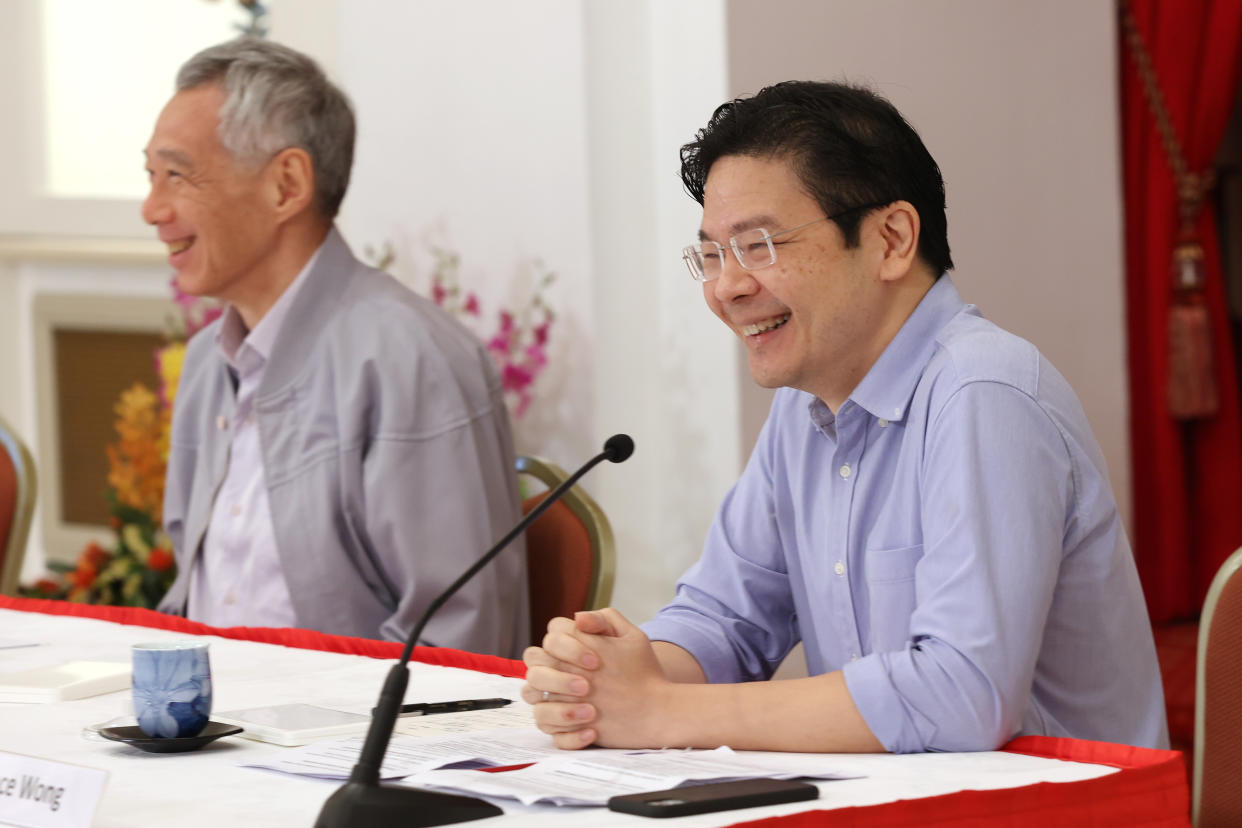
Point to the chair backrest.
(17, 501)
(1218, 702)
(570, 556)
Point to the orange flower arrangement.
(136, 465)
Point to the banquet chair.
(17, 500)
(570, 556)
(1218, 702)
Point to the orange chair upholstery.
(570, 554)
(1218, 702)
(17, 500)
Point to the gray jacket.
(387, 456)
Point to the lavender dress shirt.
(949, 540)
(238, 580)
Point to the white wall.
(666, 371)
(1017, 102)
(472, 135)
(545, 128)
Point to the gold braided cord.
(1192, 187)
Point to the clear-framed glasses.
(753, 248)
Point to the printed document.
(408, 755)
(590, 777)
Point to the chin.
(767, 379)
(194, 284)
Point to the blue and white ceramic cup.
(172, 688)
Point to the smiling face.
(213, 213)
(814, 320)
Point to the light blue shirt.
(949, 539)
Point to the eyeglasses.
(754, 249)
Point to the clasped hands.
(596, 680)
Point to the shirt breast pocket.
(890, 588)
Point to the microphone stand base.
(377, 806)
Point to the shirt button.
(845, 471)
(236, 510)
(853, 656)
(883, 423)
(838, 568)
(229, 599)
(222, 423)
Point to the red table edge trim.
(1095, 753)
(1150, 782)
(287, 637)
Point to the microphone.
(363, 801)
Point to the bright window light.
(108, 69)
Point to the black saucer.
(133, 735)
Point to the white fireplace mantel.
(48, 282)
(80, 249)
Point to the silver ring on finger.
(546, 695)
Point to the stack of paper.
(406, 755)
(557, 777)
(63, 682)
(591, 777)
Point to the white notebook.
(63, 682)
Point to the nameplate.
(37, 793)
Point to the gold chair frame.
(1227, 570)
(599, 530)
(27, 490)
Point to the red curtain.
(1187, 477)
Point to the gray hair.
(278, 98)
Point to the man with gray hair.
(340, 448)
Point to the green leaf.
(118, 569)
(132, 535)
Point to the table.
(254, 667)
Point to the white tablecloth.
(207, 788)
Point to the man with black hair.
(926, 509)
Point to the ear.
(291, 182)
(898, 228)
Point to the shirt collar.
(237, 344)
(887, 388)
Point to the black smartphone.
(713, 796)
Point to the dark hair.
(848, 146)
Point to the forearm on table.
(678, 664)
(811, 715)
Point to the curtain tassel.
(1192, 382)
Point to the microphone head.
(618, 447)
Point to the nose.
(734, 282)
(155, 207)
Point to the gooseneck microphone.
(363, 801)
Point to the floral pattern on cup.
(172, 688)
